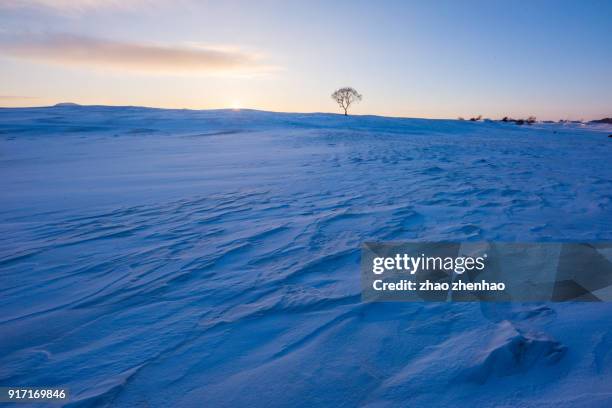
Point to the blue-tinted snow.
(162, 258)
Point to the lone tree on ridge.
(345, 97)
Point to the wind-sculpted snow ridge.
(211, 258)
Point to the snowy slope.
(211, 258)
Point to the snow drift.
(211, 258)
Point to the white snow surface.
(163, 258)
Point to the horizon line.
(457, 118)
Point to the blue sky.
(551, 59)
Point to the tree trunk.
(345, 114)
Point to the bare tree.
(345, 97)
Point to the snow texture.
(155, 258)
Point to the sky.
(434, 59)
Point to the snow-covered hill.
(211, 258)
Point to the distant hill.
(604, 120)
(66, 104)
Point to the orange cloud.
(82, 51)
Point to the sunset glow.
(549, 59)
